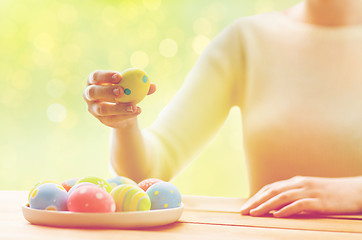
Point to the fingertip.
(91, 77)
(88, 93)
(101, 77)
(133, 109)
(152, 89)
(116, 77)
(244, 211)
(130, 108)
(277, 214)
(117, 92)
(253, 212)
(282, 213)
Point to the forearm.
(129, 156)
(189, 121)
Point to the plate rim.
(26, 206)
(164, 216)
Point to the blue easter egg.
(49, 196)
(119, 180)
(164, 195)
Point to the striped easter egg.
(129, 197)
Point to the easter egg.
(129, 197)
(38, 184)
(68, 184)
(164, 195)
(97, 181)
(118, 180)
(145, 184)
(135, 84)
(49, 196)
(79, 185)
(91, 199)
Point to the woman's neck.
(328, 12)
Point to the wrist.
(126, 125)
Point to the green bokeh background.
(47, 50)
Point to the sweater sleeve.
(200, 107)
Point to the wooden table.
(203, 218)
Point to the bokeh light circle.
(199, 43)
(55, 88)
(67, 13)
(168, 47)
(44, 41)
(139, 59)
(202, 26)
(56, 112)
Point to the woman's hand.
(100, 96)
(309, 194)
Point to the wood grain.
(233, 205)
(195, 223)
(301, 223)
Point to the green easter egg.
(97, 181)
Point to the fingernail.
(277, 214)
(253, 212)
(116, 77)
(243, 211)
(129, 108)
(116, 92)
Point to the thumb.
(152, 89)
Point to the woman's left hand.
(308, 194)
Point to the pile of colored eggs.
(93, 194)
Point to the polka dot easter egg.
(79, 185)
(129, 197)
(91, 199)
(68, 184)
(118, 180)
(164, 195)
(97, 181)
(145, 184)
(49, 196)
(36, 185)
(135, 84)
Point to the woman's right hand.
(100, 94)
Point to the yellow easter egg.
(136, 84)
(129, 197)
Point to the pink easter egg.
(145, 184)
(91, 199)
(80, 185)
